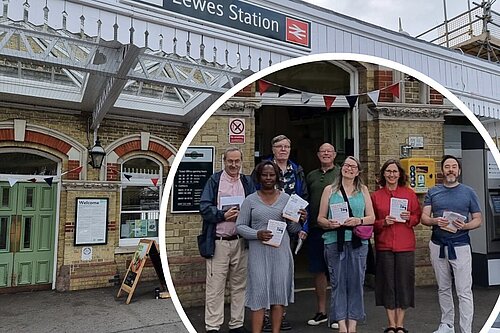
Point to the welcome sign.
(242, 16)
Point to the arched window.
(140, 200)
(25, 163)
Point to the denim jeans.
(347, 275)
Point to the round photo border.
(253, 78)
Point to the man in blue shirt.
(452, 209)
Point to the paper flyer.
(397, 206)
(278, 228)
(452, 216)
(339, 212)
(292, 207)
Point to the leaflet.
(398, 206)
(278, 228)
(292, 207)
(226, 203)
(452, 216)
(339, 212)
(299, 245)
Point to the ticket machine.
(421, 173)
(480, 171)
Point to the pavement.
(424, 318)
(98, 310)
(95, 310)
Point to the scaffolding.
(475, 32)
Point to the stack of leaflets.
(226, 203)
(452, 216)
(397, 206)
(339, 212)
(292, 207)
(278, 228)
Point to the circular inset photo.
(336, 190)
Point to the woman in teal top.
(345, 253)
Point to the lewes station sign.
(242, 16)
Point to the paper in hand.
(339, 212)
(278, 229)
(397, 206)
(452, 216)
(292, 207)
(299, 245)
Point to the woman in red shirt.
(395, 244)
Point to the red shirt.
(398, 237)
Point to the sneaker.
(445, 328)
(285, 325)
(267, 327)
(240, 329)
(318, 319)
(335, 325)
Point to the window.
(140, 200)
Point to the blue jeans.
(347, 276)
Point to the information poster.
(195, 168)
(91, 223)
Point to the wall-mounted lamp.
(97, 154)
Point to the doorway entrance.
(27, 229)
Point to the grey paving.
(95, 310)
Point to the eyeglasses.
(350, 166)
(282, 146)
(326, 151)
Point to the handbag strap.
(346, 200)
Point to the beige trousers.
(229, 263)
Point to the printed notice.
(91, 221)
(452, 216)
(339, 212)
(226, 203)
(397, 207)
(278, 228)
(292, 207)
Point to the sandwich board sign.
(146, 249)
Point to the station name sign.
(242, 16)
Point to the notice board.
(195, 168)
(91, 221)
(146, 249)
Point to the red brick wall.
(384, 79)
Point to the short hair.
(447, 157)
(402, 173)
(279, 138)
(260, 167)
(230, 149)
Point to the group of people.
(261, 277)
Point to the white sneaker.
(335, 325)
(445, 328)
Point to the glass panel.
(136, 198)
(27, 233)
(139, 224)
(5, 197)
(29, 197)
(26, 164)
(3, 232)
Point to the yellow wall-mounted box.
(421, 173)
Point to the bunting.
(49, 180)
(154, 181)
(12, 182)
(305, 96)
(127, 176)
(33, 180)
(77, 170)
(328, 101)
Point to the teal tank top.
(357, 203)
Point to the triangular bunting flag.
(77, 170)
(12, 182)
(394, 89)
(155, 181)
(374, 96)
(49, 180)
(305, 97)
(352, 100)
(127, 176)
(263, 86)
(329, 101)
(283, 91)
(33, 180)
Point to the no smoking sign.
(236, 130)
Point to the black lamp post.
(97, 154)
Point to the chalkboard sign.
(195, 168)
(145, 249)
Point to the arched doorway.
(27, 219)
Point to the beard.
(451, 178)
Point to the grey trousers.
(462, 273)
(228, 263)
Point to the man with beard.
(220, 244)
(452, 209)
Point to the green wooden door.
(27, 223)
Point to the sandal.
(390, 330)
(401, 330)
